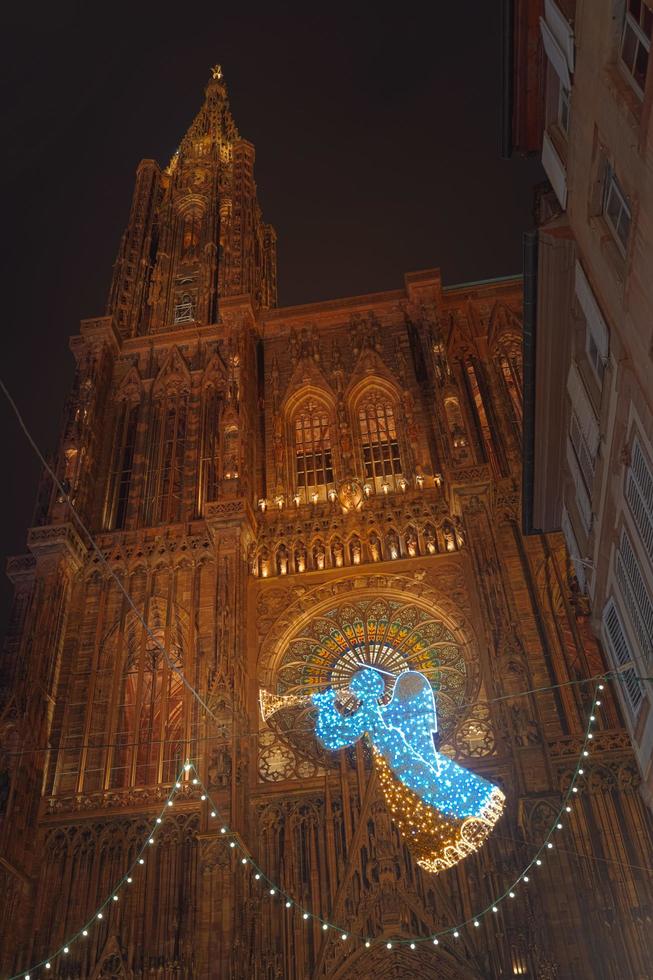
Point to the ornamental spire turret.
(195, 231)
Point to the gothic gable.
(503, 322)
(173, 374)
(131, 387)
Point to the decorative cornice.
(20, 569)
(56, 540)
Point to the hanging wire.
(236, 843)
(169, 661)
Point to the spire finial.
(216, 73)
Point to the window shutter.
(595, 322)
(636, 596)
(561, 30)
(583, 408)
(573, 549)
(555, 54)
(555, 171)
(582, 497)
(639, 494)
(617, 643)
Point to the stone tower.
(277, 494)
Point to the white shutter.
(637, 599)
(573, 549)
(583, 408)
(616, 641)
(561, 30)
(582, 496)
(555, 170)
(555, 54)
(639, 494)
(595, 322)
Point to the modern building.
(589, 338)
(277, 496)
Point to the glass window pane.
(641, 66)
(629, 47)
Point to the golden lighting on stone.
(438, 842)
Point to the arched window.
(122, 465)
(313, 459)
(379, 440)
(190, 236)
(459, 441)
(209, 459)
(510, 368)
(150, 712)
(166, 454)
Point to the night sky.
(377, 154)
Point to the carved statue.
(319, 555)
(411, 543)
(355, 551)
(449, 536)
(459, 531)
(300, 557)
(338, 553)
(265, 563)
(282, 560)
(375, 547)
(393, 544)
(430, 540)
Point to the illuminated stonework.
(286, 493)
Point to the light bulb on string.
(306, 915)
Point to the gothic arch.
(294, 660)
(173, 375)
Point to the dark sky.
(377, 153)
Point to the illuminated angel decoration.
(445, 811)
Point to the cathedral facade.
(277, 495)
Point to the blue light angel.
(445, 810)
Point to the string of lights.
(272, 890)
(233, 840)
